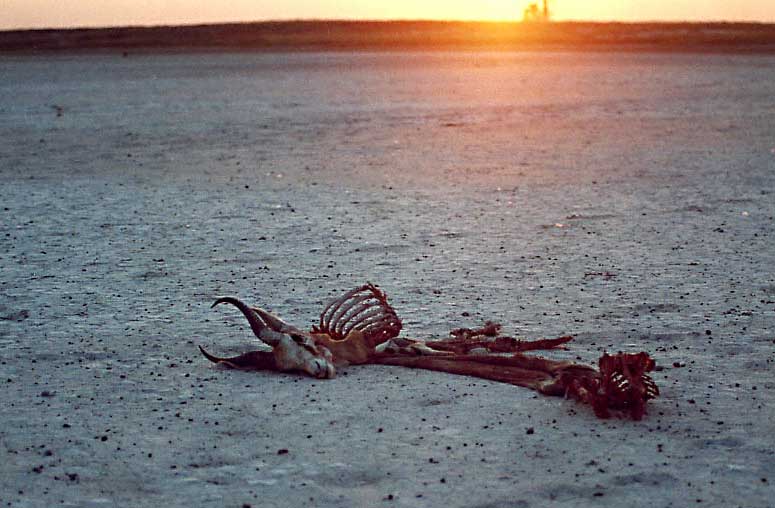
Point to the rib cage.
(365, 309)
(621, 385)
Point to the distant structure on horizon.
(533, 13)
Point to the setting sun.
(54, 13)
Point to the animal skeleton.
(361, 327)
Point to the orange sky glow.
(90, 13)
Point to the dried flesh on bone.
(362, 327)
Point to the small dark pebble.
(46, 393)
(282, 451)
(104, 438)
(598, 494)
(530, 430)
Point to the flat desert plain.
(626, 199)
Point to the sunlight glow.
(74, 13)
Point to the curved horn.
(273, 322)
(254, 360)
(212, 358)
(258, 326)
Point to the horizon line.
(387, 20)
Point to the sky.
(91, 13)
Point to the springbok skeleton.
(361, 327)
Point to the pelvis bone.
(361, 327)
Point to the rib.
(355, 304)
(364, 309)
(331, 308)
